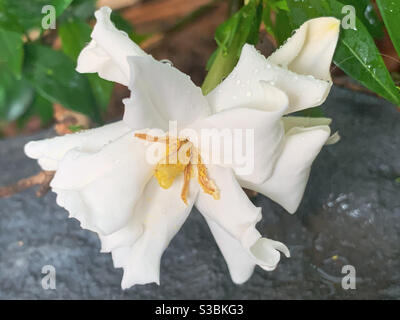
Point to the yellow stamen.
(166, 170)
(186, 180)
(208, 185)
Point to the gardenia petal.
(247, 140)
(310, 50)
(239, 262)
(106, 54)
(290, 122)
(289, 179)
(49, 152)
(161, 93)
(161, 212)
(108, 182)
(303, 91)
(236, 214)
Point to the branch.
(41, 179)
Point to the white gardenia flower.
(104, 180)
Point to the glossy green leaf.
(231, 35)
(11, 51)
(356, 52)
(390, 11)
(15, 95)
(366, 13)
(74, 36)
(53, 74)
(22, 15)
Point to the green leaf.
(277, 4)
(390, 11)
(15, 95)
(74, 36)
(78, 9)
(231, 35)
(53, 74)
(356, 52)
(11, 51)
(22, 15)
(41, 107)
(282, 27)
(102, 90)
(366, 13)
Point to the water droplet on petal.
(166, 61)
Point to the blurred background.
(38, 84)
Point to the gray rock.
(350, 215)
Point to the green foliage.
(230, 36)
(75, 34)
(53, 75)
(356, 52)
(40, 107)
(366, 13)
(11, 51)
(33, 76)
(15, 95)
(23, 15)
(390, 10)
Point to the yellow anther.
(179, 159)
(166, 173)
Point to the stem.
(42, 179)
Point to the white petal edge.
(303, 91)
(161, 93)
(310, 50)
(162, 213)
(289, 179)
(50, 151)
(107, 53)
(108, 182)
(245, 139)
(240, 264)
(237, 216)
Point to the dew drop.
(166, 61)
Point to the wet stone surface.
(350, 215)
